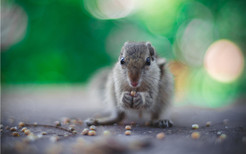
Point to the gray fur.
(155, 83)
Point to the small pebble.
(13, 128)
(21, 124)
(85, 131)
(128, 132)
(23, 129)
(92, 133)
(92, 127)
(27, 131)
(208, 124)
(133, 93)
(160, 136)
(128, 127)
(44, 133)
(57, 123)
(106, 133)
(195, 126)
(195, 135)
(15, 134)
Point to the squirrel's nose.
(134, 84)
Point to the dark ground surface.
(46, 105)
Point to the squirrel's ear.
(151, 49)
(161, 62)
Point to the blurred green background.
(66, 41)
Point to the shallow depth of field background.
(50, 42)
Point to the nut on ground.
(92, 127)
(160, 135)
(195, 126)
(195, 135)
(128, 127)
(208, 124)
(92, 133)
(27, 131)
(21, 124)
(13, 128)
(128, 132)
(23, 129)
(85, 131)
(15, 134)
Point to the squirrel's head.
(138, 62)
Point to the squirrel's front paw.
(127, 99)
(91, 121)
(162, 123)
(137, 101)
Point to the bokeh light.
(109, 9)
(13, 24)
(193, 39)
(224, 61)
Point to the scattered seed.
(15, 134)
(66, 120)
(195, 135)
(57, 123)
(133, 93)
(23, 129)
(195, 126)
(27, 131)
(219, 133)
(128, 127)
(13, 128)
(85, 131)
(160, 136)
(92, 133)
(71, 127)
(21, 124)
(54, 138)
(128, 132)
(106, 133)
(222, 136)
(44, 133)
(92, 127)
(35, 123)
(208, 124)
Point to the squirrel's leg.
(115, 117)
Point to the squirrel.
(139, 83)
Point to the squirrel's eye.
(122, 61)
(147, 61)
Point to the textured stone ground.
(46, 105)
